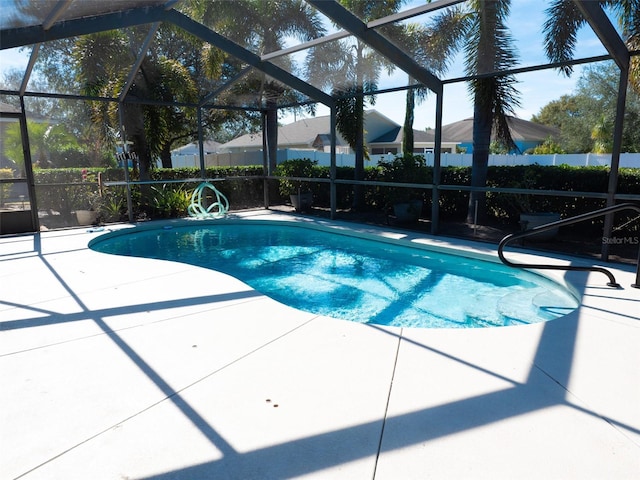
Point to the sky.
(537, 88)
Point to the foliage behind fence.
(64, 190)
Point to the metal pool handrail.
(570, 221)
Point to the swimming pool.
(337, 274)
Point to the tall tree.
(488, 50)
(569, 115)
(593, 106)
(351, 69)
(103, 63)
(433, 46)
(264, 26)
(564, 19)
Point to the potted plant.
(297, 190)
(112, 207)
(87, 208)
(85, 199)
(406, 203)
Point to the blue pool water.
(352, 278)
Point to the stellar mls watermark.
(620, 240)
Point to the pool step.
(483, 309)
(533, 305)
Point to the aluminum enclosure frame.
(100, 17)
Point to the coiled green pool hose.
(219, 208)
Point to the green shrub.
(170, 200)
(5, 189)
(299, 167)
(62, 190)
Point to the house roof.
(523, 130)
(301, 132)
(210, 146)
(396, 135)
(311, 131)
(392, 136)
(308, 131)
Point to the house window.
(383, 151)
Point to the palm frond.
(560, 32)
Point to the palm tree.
(158, 79)
(350, 68)
(564, 19)
(432, 46)
(264, 26)
(601, 134)
(488, 49)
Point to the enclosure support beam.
(397, 17)
(248, 57)
(210, 96)
(51, 19)
(615, 159)
(609, 37)
(125, 161)
(332, 171)
(28, 167)
(265, 160)
(27, 74)
(435, 193)
(139, 59)
(353, 24)
(21, 36)
(203, 170)
(606, 32)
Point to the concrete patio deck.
(127, 368)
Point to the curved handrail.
(570, 221)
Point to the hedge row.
(248, 191)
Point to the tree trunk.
(144, 158)
(141, 149)
(272, 135)
(165, 155)
(407, 136)
(482, 125)
(358, 174)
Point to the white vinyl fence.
(627, 160)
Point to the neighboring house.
(423, 142)
(384, 136)
(188, 155)
(525, 134)
(315, 134)
(210, 146)
(306, 134)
